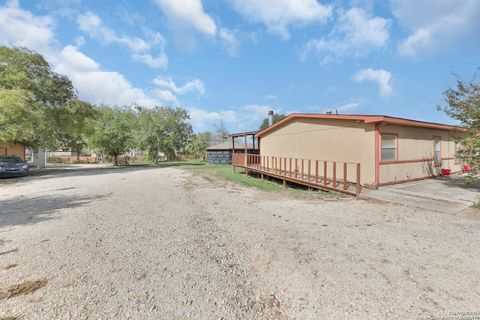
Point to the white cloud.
(168, 90)
(356, 33)
(230, 40)
(279, 15)
(21, 28)
(195, 85)
(203, 119)
(92, 25)
(166, 95)
(246, 117)
(433, 26)
(188, 13)
(270, 97)
(380, 76)
(96, 85)
(160, 61)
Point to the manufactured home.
(338, 151)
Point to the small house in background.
(13, 149)
(222, 153)
(388, 149)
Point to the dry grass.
(23, 288)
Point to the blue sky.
(233, 60)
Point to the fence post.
(316, 171)
(358, 187)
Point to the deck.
(324, 175)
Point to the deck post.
(296, 167)
(284, 166)
(246, 150)
(309, 165)
(261, 174)
(316, 171)
(233, 154)
(290, 167)
(358, 187)
(324, 173)
(284, 183)
(303, 172)
(345, 187)
(334, 174)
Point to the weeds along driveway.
(161, 243)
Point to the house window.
(437, 151)
(389, 147)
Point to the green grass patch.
(226, 172)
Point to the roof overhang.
(368, 119)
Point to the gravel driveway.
(161, 243)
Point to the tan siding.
(321, 139)
(416, 144)
(16, 149)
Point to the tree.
(114, 131)
(220, 132)
(199, 144)
(463, 103)
(163, 129)
(75, 125)
(276, 118)
(30, 95)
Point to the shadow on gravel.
(70, 171)
(22, 210)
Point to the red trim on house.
(364, 119)
(396, 146)
(377, 154)
(414, 179)
(406, 161)
(412, 161)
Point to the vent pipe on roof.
(270, 118)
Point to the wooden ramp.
(336, 176)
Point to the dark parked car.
(13, 166)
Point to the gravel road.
(161, 243)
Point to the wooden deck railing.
(338, 176)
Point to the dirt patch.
(8, 266)
(9, 318)
(21, 289)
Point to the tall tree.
(276, 117)
(463, 103)
(114, 131)
(199, 144)
(163, 130)
(75, 124)
(30, 95)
